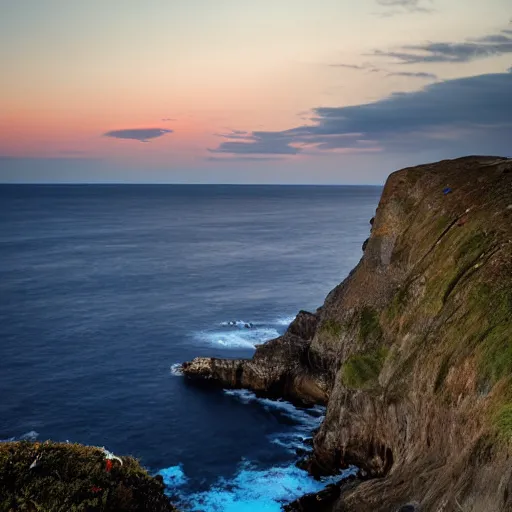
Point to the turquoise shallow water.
(252, 488)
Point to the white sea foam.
(291, 441)
(285, 320)
(176, 369)
(244, 395)
(243, 324)
(304, 420)
(252, 489)
(244, 333)
(239, 324)
(310, 418)
(27, 436)
(238, 337)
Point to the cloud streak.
(401, 6)
(358, 67)
(420, 74)
(373, 69)
(474, 111)
(234, 134)
(263, 143)
(140, 134)
(471, 49)
(349, 66)
(243, 158)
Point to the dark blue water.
(104, 288)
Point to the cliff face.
(413, 351)
(421, 336)
(57, 477)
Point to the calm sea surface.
(104, 288)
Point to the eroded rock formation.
(278, 368)
(412, 351)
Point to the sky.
(239, 91)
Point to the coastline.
(403, 348)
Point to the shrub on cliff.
(56, 477)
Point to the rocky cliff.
(412, 351)
(60, 477)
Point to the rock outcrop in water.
(55, 477)
(412, 351)
(277, 369)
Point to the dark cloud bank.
(140, 134)
(473, 114)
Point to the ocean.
(104, 289)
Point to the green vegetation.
(503, 422)
(473, 245)
(397, 304)
(331, 328)
(496, 354)
(496, 301)
(361, 371)
(482, 332)
(459, 251)
(495, 347)
(441, 223)
(466, 260)
(74, 478)
(369, 327)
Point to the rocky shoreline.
(276, 369)
(411, 352)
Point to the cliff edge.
(412, 352)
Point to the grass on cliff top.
(73, 478)
(361, 371)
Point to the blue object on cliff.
(447, 190)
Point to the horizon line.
(117, 183)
